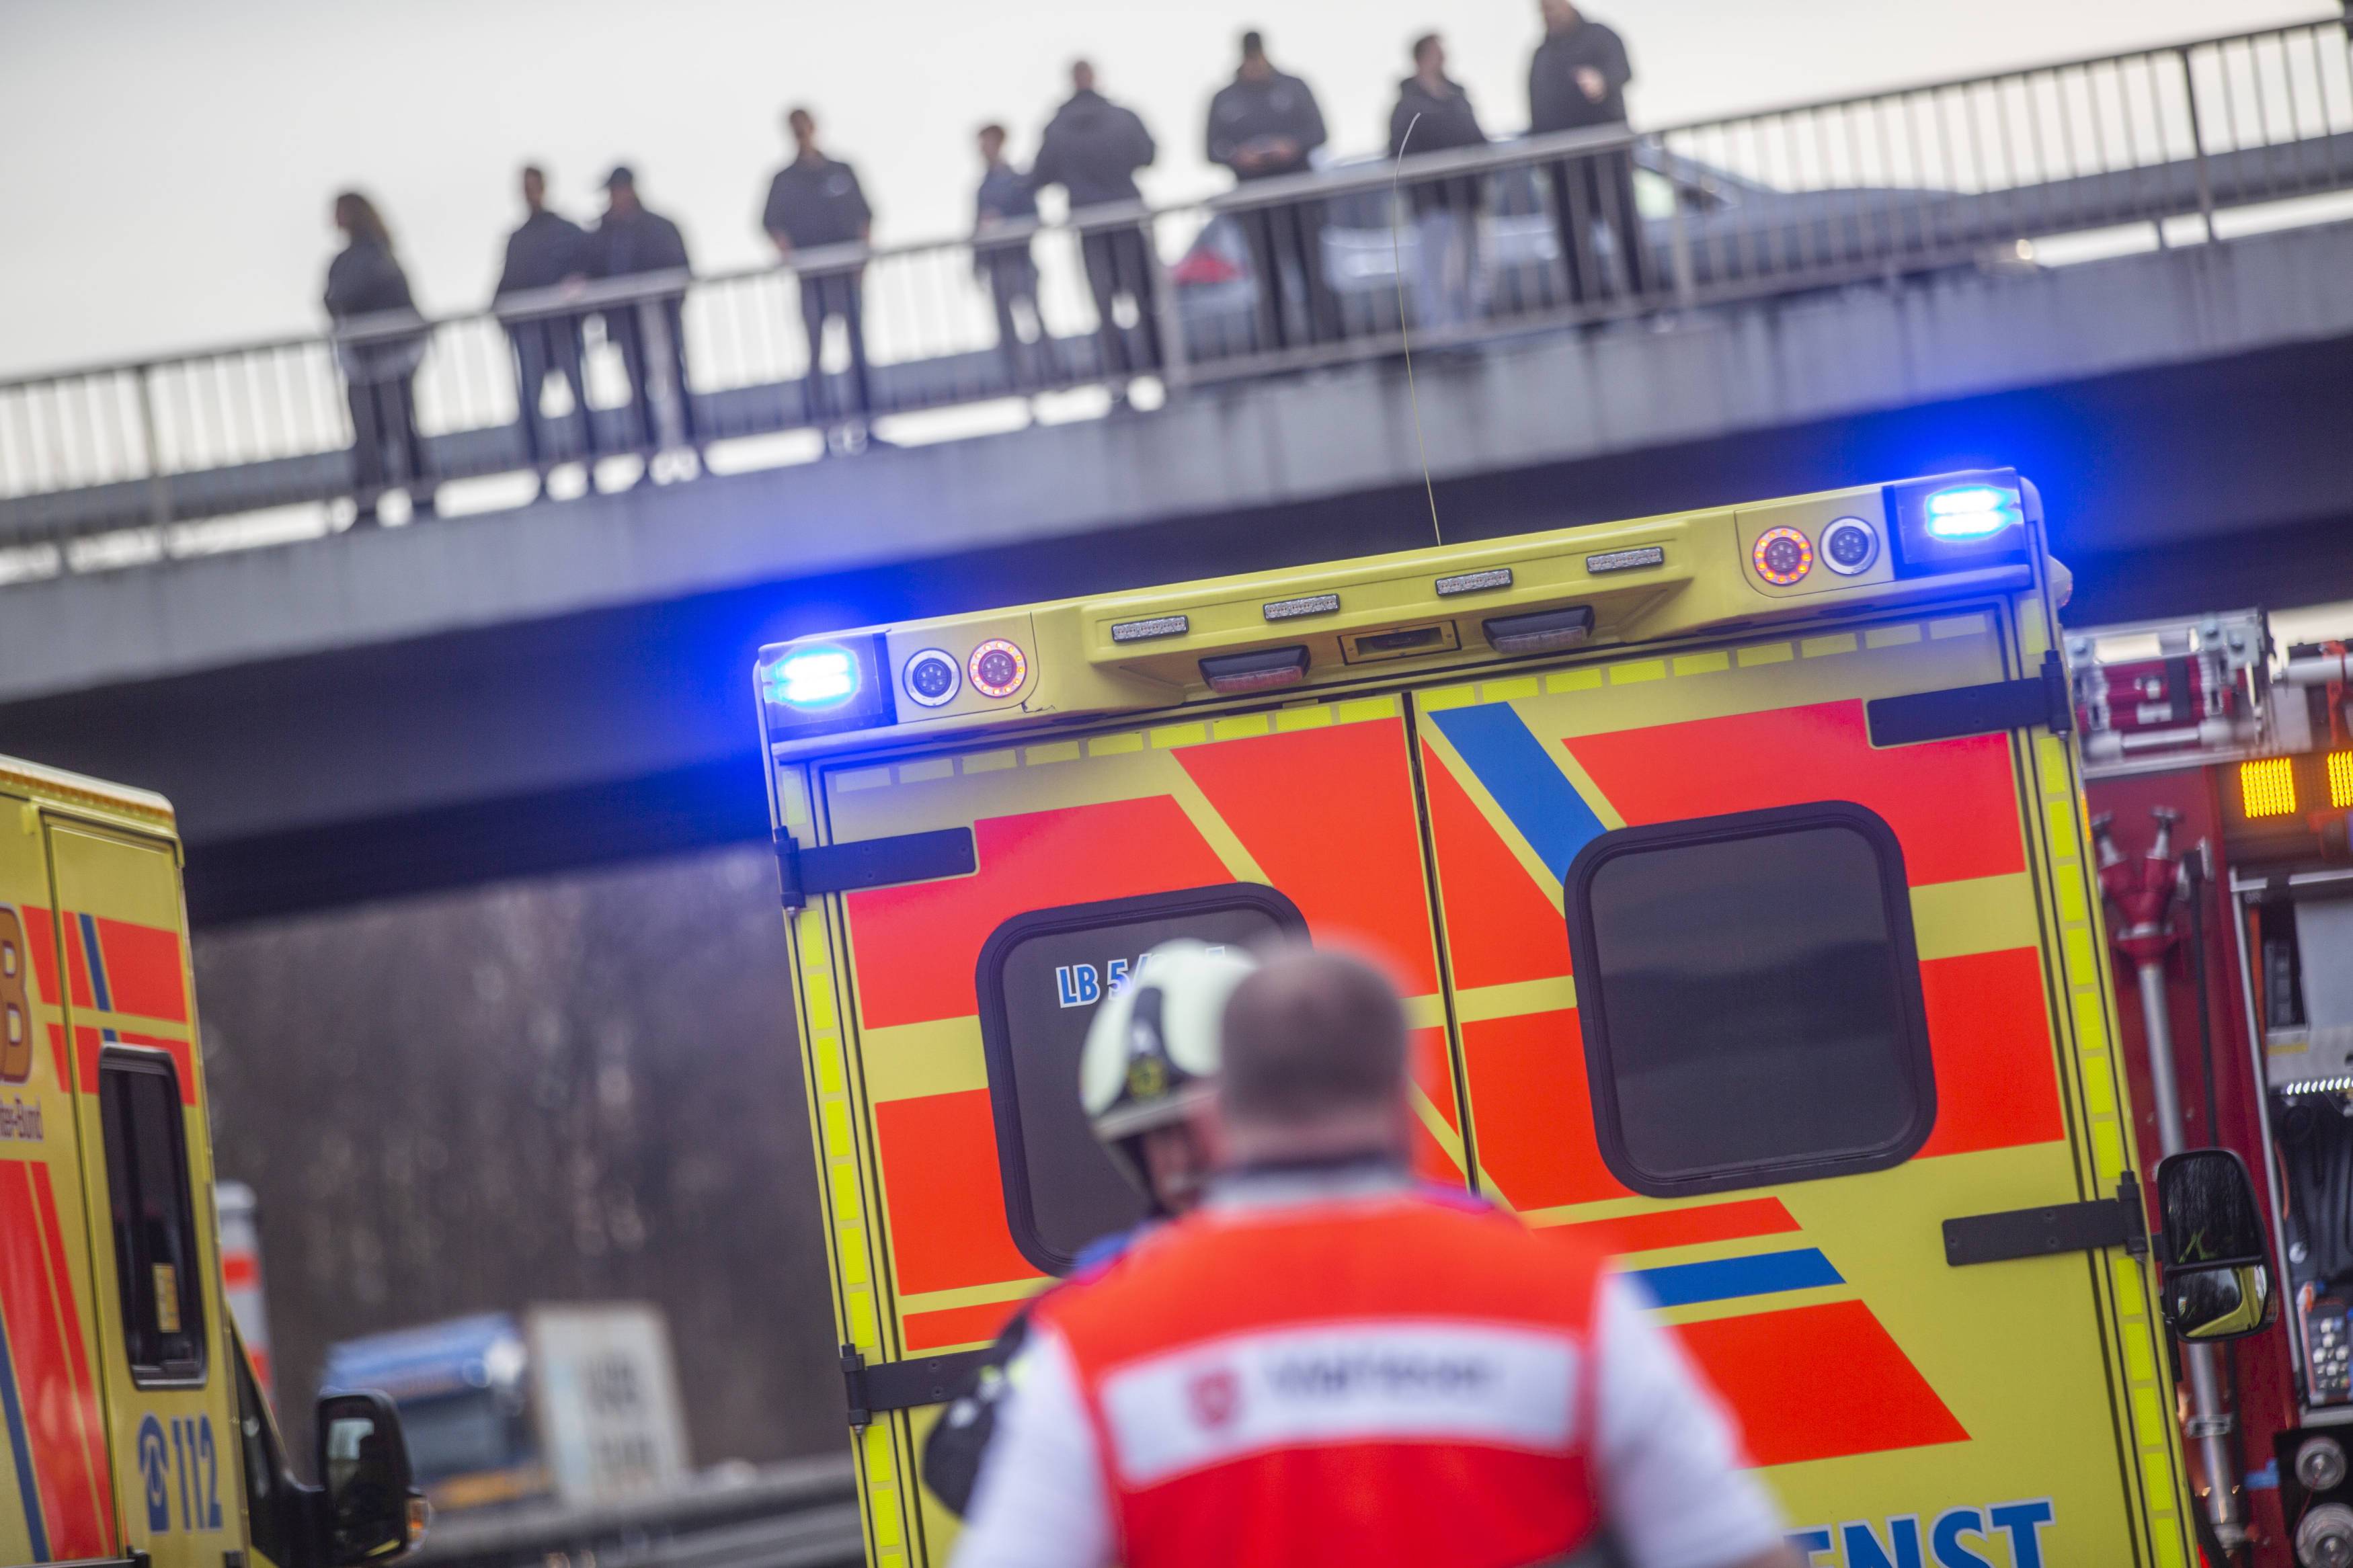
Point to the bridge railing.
(1464, 247)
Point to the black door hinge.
(906, 1384)
(2047, 1232)
(2043, 698)
(870, 862)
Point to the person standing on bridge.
(1092, 147)
(379, 343)
(548, 251)
(1433, 114)
(1329, 1364)
(651, 333)
(1263, 125)
(1577, 81)
(815, 203)
(1006, 201)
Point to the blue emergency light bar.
(1958, 522)
(819, 688)
(1972, 511)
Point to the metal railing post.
(1176, 366)
(2197, 145)
(1679, 242)
(158, 488)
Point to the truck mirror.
(2217, 1272)
(363, 1464)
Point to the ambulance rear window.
(1042, 976)
(156, 1266)
(1749, 992)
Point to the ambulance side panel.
(1316, 801)
(129, 1034)
(57, 1488)
(1905, 1410)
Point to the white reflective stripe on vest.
(1326, 1383)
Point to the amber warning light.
(2267, 786)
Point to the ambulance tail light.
(821, 688)
(1262, 669)
(1545, 631)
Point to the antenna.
(1405, 332)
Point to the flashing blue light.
(1972, 511)
(814, 678)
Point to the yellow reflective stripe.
(1480, 1003)
(1981, 914)
(939, 1055)
(970, 1296)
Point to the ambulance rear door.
(946, 1016)
(169, 1362)
(1904, 936)
(56, 1494)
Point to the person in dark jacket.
(1092, 147)
(1006, 200)
(547, 251)
(629, 242)
(815, 203)
(1433, 114)
(1262, 125)
(367, 295)
(1577, 81)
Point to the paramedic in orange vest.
(1328, 1363)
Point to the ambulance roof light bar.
(826, 686)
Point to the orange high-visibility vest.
(1397, 1377)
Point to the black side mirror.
(372, 1514)
(2217, 1271)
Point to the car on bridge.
(1705, 224)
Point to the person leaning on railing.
(1006, 199)
(378, 359)
(1433, 114)
(1092, 147)
(815, 203)
(630, 241)
(1577, 81)
(1264, 124)
(547, 250)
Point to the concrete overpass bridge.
(368, 712)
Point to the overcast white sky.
(165, 165)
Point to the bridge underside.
(620, 732)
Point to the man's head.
(992, 144)
(1315, 1063)
(1559, 16)
(1150, 1059)
(803, 125)
(621, 189)
(1083, 77)
(1256, 66)
(1429, 56)
(534, 187)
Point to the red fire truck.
(2219, 770)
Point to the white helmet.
(1153, 1050)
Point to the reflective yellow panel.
(2340, 778)
(2267, 785)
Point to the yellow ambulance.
(133, 1430)
(1734, 864)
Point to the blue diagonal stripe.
(20, 1446)
(1525, 781)
(97, 963)
(1723, 1278)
